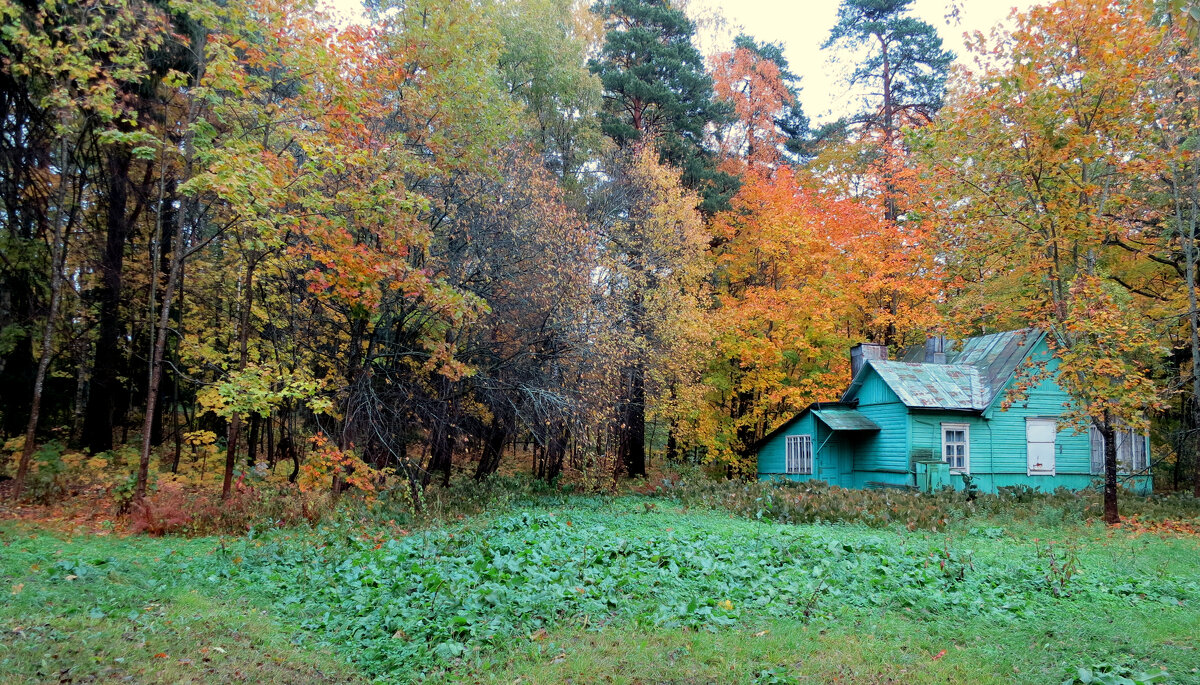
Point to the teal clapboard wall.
(997, 439)
(887, 450)
(833, 455)
(772, 455)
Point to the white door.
(1039, 439)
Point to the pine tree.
(906, 61)
(656, 89)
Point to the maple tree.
(804, 273)
(767, 117)
(1035, 159)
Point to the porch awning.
(843, 419)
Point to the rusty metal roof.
(934, 386)
(843, 419)
(975, 371)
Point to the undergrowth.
(814, 501)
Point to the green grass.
(113, 609)
(859, 647)
(621, 590)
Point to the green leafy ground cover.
(625, 590)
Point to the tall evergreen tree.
(905, 61)
(655, 87)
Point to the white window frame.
(1096, 453)
(1128, 443)
(966, 430)
(1053, 470)
(798, 455)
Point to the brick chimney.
(860, 353)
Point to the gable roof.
(975, 372)
(932, 386)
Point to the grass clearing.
(114, 609)
(596, 590)
(858, 647)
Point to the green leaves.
(1109, 674)
(448, 592)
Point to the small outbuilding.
(936, 414)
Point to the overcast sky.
(803, 25)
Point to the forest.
(244, 240)
(436, 344)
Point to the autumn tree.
(653, 266)
(768, 126)
(1035, 160)
(1168, 250)
(67, 70)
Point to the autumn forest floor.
(632, 589)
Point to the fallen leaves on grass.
(1165, 527)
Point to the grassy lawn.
(624, 590)
(115, 609)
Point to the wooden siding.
(886, 450)
(772, 456)
(926, 444)
(1072, 453)
(997, 441)
(833, 457)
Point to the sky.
(803, 25)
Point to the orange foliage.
(759, 95)
(806, 274)
(326, 461)
(1165, 527)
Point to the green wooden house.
(936, 414)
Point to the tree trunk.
(1189, 254)
(441, 451)
(58, 253)
(178, 255)
(634, 433)
(556, 451)
(891, 209)
(1111, 516)
(270, 425)
(253, 440)
(493, 448)
(106, 392)
(235, 422)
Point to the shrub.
(53, 471)
(174, 508)
(815, 501)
